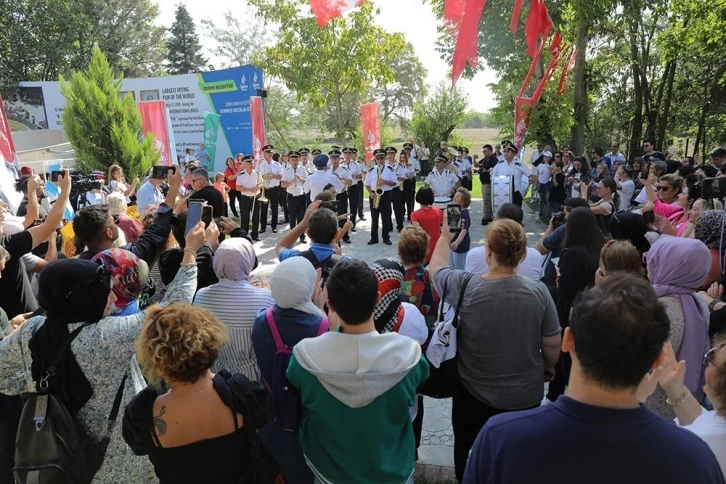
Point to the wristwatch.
(712, 304)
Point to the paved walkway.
(436, 454)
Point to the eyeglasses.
(708, 358)
(194, 180)
(660, 188)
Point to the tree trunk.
(665, 108)
(702, 123)
(339, 121)
(580, 101)
(637, 123)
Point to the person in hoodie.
(357, 386)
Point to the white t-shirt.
(413, 326)
(543, 173)
(626, 194)
(711, 428)
(531, 266)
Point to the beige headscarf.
(234, 259)
(293, 284)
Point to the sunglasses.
(708, 358)
(664, 189)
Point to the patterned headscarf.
(129, 273)
(711, 230)
(389, 273)
(234, 259)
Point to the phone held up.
(198, 211)
(453, 217)
(160, 172)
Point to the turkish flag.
(538, 25)
(259, 135)
(515, 15)
(566, 70)
(327, 10)
(467, 38)
(154, 120)
(370, 121)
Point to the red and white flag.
(259, 134)
(538, 26)
(154, 120)
(327, 10)
(566, 70)
(370, 121)
(515, 15)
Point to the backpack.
(286, 400)
(326, 265)
(50, 447)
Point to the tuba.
(379, 190)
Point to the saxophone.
(379, 189)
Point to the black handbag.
(443, 382)
(50, 447)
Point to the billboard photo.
(226, 92)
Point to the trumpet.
(379, 190)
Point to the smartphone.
(194, 215)
(555, 261)
(55, 175)
(330, 205)
(207, 215)
(160, 172)
(713, 188)
(453, 217)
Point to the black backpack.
(326, 265)
(50, 447)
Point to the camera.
(558, 218)
(80, 183)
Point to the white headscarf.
(293, 284)
(234, 259)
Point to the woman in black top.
(204, 428)
(558, 195)
(576, 270)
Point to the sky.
(411, 17)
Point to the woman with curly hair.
(191, 422)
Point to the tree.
(397, 98)
(350, 55)
(185, 52)
(103, 128)
(236, 43)
(436, 118)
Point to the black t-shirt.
(213, 197)
(16, 295)
(488, 163)
(558, 193)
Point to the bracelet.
(680, 400)
(190, 250)
(712, 304)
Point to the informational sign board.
(226, 92)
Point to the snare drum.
(442, 202)
(501, 191)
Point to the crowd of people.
(604, 342)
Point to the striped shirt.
(236, 304)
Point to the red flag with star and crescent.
(327, 10)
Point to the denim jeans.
(457, 260)
(543, 190)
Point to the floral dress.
(418, 289)
(105, 353)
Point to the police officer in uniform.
(249, 184)
(363, 170)
(513, 167)
(271, 172)
(388, 182)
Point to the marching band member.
(271, 172)
(316, 182)
(381, 180)
(414, 170)
(513, 167)
(400, 167)
(284, 163)
(466, 164)
(442, 180)
(249, 184)
(293, 179)
(343, 173)
(353, 189)
(363, 172)
(306, 165)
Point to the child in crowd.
(462, 241)
(357, 386)
(224, 190)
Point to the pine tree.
(103, 128)
(185, 52)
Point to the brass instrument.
(379, 190)
(262, 198)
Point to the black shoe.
(346, 240)
(399, 229)
(256, 239)
(353, 229)
(302, 240)
(388, 242)
(274, 230)
(362, 218)
(485, 221)
(263, 231)
(372, 241)
(287, 220)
